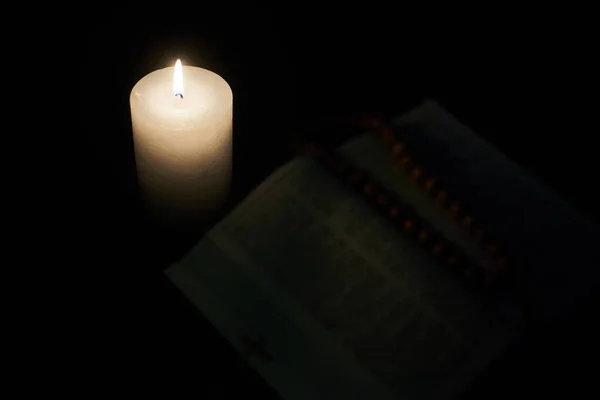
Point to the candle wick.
(180, 95)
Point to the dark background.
(522, 80)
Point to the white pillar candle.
(182, 130)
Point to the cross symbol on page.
(256, 347)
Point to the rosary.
(404, 217)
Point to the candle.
(182, 129)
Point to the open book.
(329, 301)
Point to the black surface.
(517, 87)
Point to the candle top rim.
(208, 98)
(184, 68)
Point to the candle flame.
(178, 80)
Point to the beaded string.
(403, 216)
(387, 134)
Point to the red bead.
(397, 148)
(452, 260)
(394, 211)
(467, 221)
(438, 248)
(355, 177)
(405, 161)
(479, 234)
(372, 123)
(387, 134)
(492, 247)
(423, 235)
(428, 184)
(441, 197)
(311, 149)
(455, 208)
(368, 189)
(500, 264)
(416, 173)
(408, 224)
(382, 199)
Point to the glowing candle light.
(182, 128)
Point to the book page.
(350, 307)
